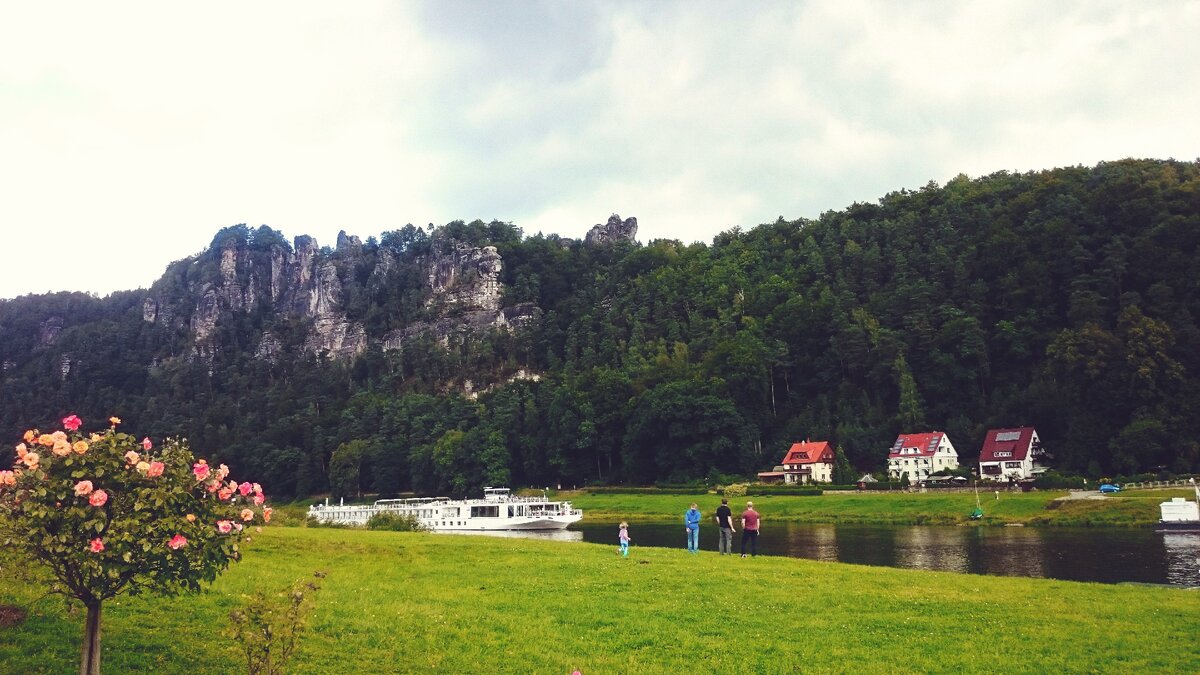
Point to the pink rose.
(225, 494)
(247, 515)
(146, 444)
(177, 542)
(156, 469)
(259, 499)
(222, 471)
(237, 526)
(97, 545)
(244, 489)
(83, 487)
(98, 498)
(200, 470)
(257, 489)
(224, 526)
(71, 422)
(212, 486)
(132, 457)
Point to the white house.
(1011, 454)
(921, 455)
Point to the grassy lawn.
(1127, 509)
(404, 602)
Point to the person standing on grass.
(691, 523)
(623, 536)
(724, 518)
(750, 524)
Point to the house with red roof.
(807, 462)
(921, 455)
(1011, 454)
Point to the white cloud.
(133, 132)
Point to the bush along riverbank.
(419, 602)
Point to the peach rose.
(155, 470)
(83, 488)
(46, 440)
(21, 450)
(80, 447)
(191, 517)
(247, 515)
(31, 460)
(132, 457)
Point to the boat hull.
(1178, 526)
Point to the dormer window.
(1004, 453)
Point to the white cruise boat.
(498, 510)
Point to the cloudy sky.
(131, 132)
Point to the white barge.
(498, 510)
(1180, 515)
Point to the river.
(1107, 555)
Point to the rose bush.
(105, 513)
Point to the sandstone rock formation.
(613, 231)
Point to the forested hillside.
(1064, 299)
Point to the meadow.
(1044, 508)
(419, 602)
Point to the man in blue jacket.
(691, 521)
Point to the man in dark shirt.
(750, 524)
(724, 518)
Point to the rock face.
(466, 277)
(613, 231)
(463, 289)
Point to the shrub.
(268, 627)
(394, 522)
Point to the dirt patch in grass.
(11, 616)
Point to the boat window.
(485, 511)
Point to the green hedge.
(789, 490)
(622, 490)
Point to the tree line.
(1063, 299)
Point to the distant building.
(807, 462)
(1011, 454)
(921, 455)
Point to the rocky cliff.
(613, 231)
(241, 274)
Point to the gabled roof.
(926, 444)
(809, 453)
(1017, 441)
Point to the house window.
(1012, 465)
(1004, 453)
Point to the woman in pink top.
(750, 523)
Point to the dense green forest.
(1064, 299)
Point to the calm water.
(1103, 555)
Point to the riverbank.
(1042, 508)
(417, 602)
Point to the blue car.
(1110, 487)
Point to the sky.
(131, 132)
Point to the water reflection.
(1183, 558)
(1103, 555)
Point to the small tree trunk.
(89, 659)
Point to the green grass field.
(416, 602)
(1128, 509)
